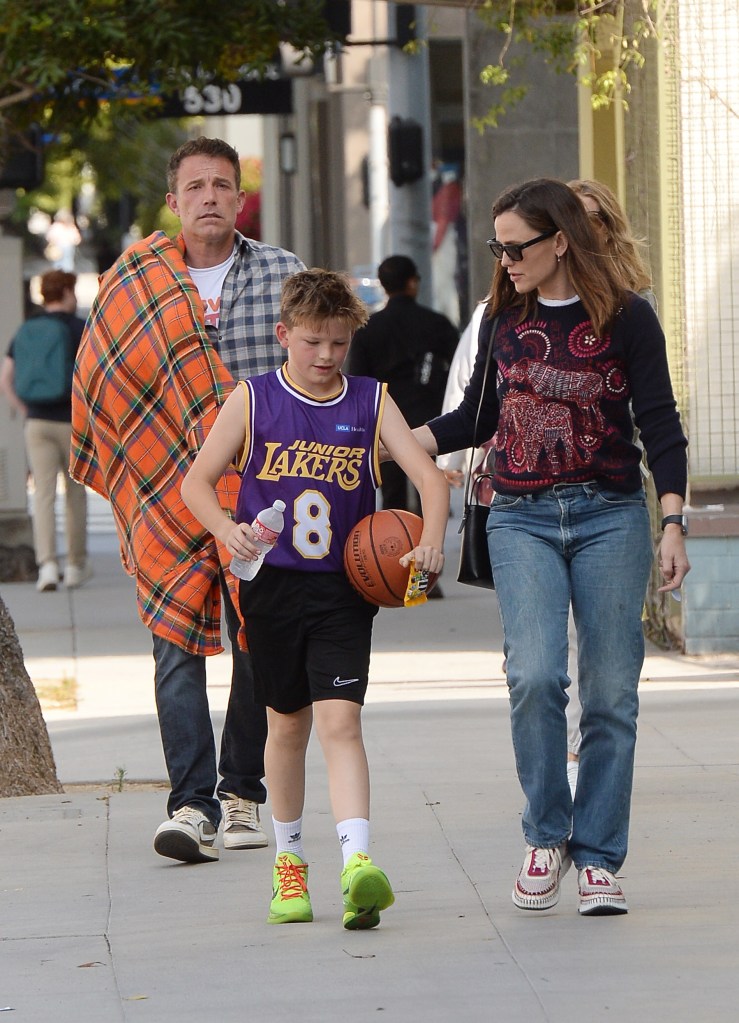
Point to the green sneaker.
(290, 899)
(366, 891)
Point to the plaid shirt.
(148, 387)
(250, 302)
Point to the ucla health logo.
(347, 428)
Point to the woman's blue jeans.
(187, 731)
(590, 547)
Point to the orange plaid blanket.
(147, 388)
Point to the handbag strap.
(469, 484)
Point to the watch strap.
(678, 520)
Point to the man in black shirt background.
(410, 347)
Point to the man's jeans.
(187, 730)
(591, 547)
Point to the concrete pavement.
(95, 927)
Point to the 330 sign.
(244, 97)
(211, 100)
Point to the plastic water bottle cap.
(279, 505)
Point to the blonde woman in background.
(615, 232)
(616, 235)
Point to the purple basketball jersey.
(318, 456)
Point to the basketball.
(372, 552)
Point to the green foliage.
(58, 59)
(166, 221)
(120, 778)
(125, 160)
(60, 67)
(251, 173)
(599, 41)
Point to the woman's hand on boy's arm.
(423, 435)
(454, 477)
(409, 449)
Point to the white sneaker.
(241, 827)
(537, 885)
(48, 577)
(76, 575)
(600, 893)
(188, 836)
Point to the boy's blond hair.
(312, 297)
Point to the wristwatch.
(678, 520)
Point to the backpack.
(44, 360)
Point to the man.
(174, 324)
(411, 348)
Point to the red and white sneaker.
(600, 893)
(537, 886)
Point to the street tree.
(604, 43)
(59, 62)
(26, 761)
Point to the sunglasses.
(515, 252)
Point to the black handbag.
(474, 557)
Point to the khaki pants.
(47, 446)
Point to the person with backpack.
(36, 378)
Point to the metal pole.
(378, 180)
(409, 95)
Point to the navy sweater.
(563, 402)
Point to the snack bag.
(417, 585)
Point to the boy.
(309, 436)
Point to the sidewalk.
(97, 928)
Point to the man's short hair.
(312, 297)
(202, 147)
(395, 272)
(54, 284)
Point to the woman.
(573, 353)
(615, 234)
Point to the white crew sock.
(289, 837)
(353, 836)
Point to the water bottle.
(267, 526)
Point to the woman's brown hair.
(547, 203)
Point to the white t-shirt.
(209, 282)
(460, 372)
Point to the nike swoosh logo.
(344, 681)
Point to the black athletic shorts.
(309, 636)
